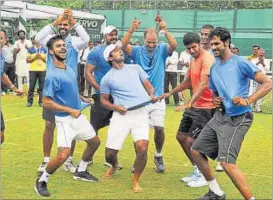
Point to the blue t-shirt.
(61, 85)
(2, 64)
(71, 55)
(126, 85)
(230, 79)
(154, 65)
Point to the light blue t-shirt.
(61, 85)
(126, 85)
(2, 64)
(71, 55)
(154, 65)
(230, 79)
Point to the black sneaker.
(84, 176)
(133, 169)
(29, 104)
(212, 196)
(41, 189)
(160, 167)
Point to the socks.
(158, 154)
(44, 177)
(214, 187)
(252, 198)
(46, 159)
(82, 166)
(195, 169)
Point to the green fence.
(247, 26)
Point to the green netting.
(146, 17)
(181, 19)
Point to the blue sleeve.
(248, 69)
(51, 86)
(134, 52)
(105, 86)
(92, 58)
(211, 84)
(142, 74)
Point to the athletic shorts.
(69, 128)
(134, 122)
(194, 120)
(49, 115)
(157, 113)
(2, 122)
(222, 137)
(100, 116)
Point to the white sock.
(214, 187)
(195, 169)
(69, 159)
(82, 166)
(44, 177)
(158, 154)
(46, 159)
(252, 198)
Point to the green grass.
(21, 155)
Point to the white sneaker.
(188, 178)
(198, 181)
(3, 93)
(219, 168)
(69, 166)
(120, 167)
(42, 167)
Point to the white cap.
(232, 46)
(109, 48)
(109, 29)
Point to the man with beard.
(200, 108)
(61, 95)
(222, 136)
(96, 68)
(5, 79)
(129, 86)
(152, 58)
(64, 24)
(21, 47)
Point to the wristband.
(247, 101)
(12, 86)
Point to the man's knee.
(63, 155)
(195, 153)
(181, 137)
(142, 146)
(94, 142)
(159, 130)
(50, 126)
(228, 166)
(110, 155)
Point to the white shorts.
(135, 121)
(157, 113)
(70, 128)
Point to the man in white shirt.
(183, 65)
(171, 76)
(7, 51)
(21, 47)
(264, 65)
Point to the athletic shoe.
(160, 167)
(29, 104)
(133, 169)
(42, 167)
(212, 196)
(219, 168)
(41, 188)
(198, 181)
(69, 166)
(188, 178)
(3, 93)
(84, 176)
(120, 167)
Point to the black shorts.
(100, 116)
(49, 115)
(2, 122)
(222, 137)
(194, 120)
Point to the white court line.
(18, 118)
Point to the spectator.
(255, 49)
(235, 50)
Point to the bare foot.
(110, 171)
(136, 188)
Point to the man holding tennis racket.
(129, 86)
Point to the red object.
(158, 18)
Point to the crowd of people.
(130, 93)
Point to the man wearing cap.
(63, 25)
(129, 86)
(96, 63)
(152, 58)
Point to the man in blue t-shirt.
(63, 26)
(152, 58)
(223, 135)
(5, 79)
(129, 86)
(61, 95)
(96, 68)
